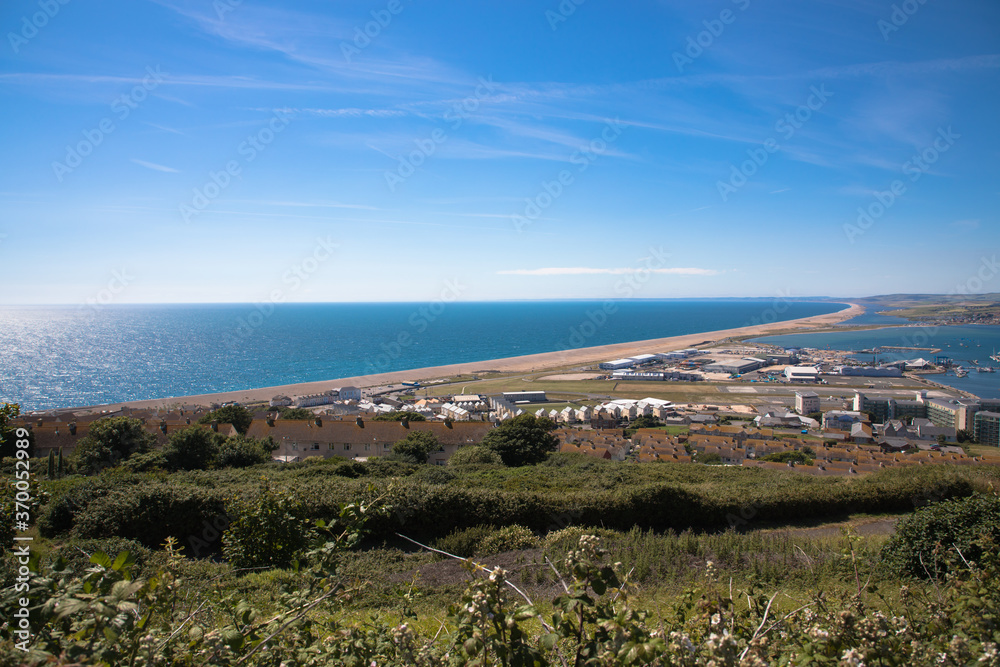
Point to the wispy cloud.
(306, 204)
(350, 112)
(155, 167)
(966, 224)
(164, 128)
(590, 271)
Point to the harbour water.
(68, 356)
(968, 346)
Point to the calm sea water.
(967, 345)
(69, 356)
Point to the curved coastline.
(526, 363)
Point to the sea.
(969, 346)
(71, 356)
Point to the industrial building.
(656, 376)
(643, 359)
(733, 367)
(616, 365)
(525, 396)
(872, 371)
(801, 373)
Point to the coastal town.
(732, 403)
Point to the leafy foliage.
(110, 441)
(237, 415)
(417, 444)
(474, 455)
(8, 433)
(464, 542)
(927, 543)
(508, 538)
(398, 416)
(193, 448)
(147, 462)
(240, 451)
(524, 440)
(789, 457)
(266, 529)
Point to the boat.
(961, 372)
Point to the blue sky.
(402, 150)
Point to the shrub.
(928, 542)
(77, 553)
(148, 513)
(239, 451)
(417, 444)
(382, 466)
(523, 440)
(464, 542)
(568, 538)
(110, 441)
(475, 455)
(508, 538)
(792, 456)
(350, 469)
(59, 515)
(145, 462)
(267, 529)
(398, 416)
(194, 448)
(237, 415)
(434, 475)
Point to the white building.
(310, 400)
(617, 365)
(806, 402)
(348, 393)
(641, 359)
(454, 412)
(801, 373)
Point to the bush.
(110, 441)
(350, 469)
(59, 515)
(417, 444)
(508, 538)
(237, 415)
(193, 448)
(77, 553)
(792, 457)
(267, 529)
(928, 542)
(145, 462)
(382, 466)
(148, 513)
(569, 537)
(434, 475)
(464, 542)
(475, 455)
(239, 451)
(523, 440)
(398, 416)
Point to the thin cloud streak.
(588, 271)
